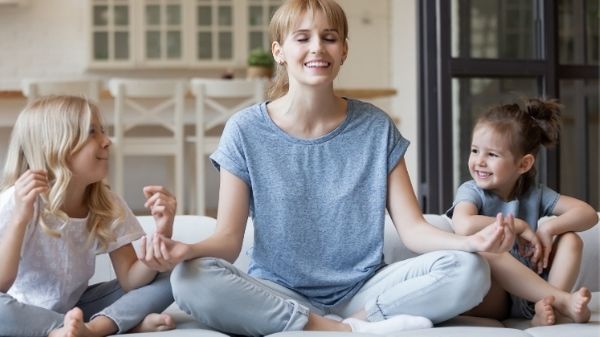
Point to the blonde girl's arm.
(420, 236)
(162, 205)
(27, 189)
(131, 273)
(572, 215)
(224, 243)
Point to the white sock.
(333, 317)
(390, 325)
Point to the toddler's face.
(491, 163)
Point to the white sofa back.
(192, 228)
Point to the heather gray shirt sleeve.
(325, 195)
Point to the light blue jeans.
(437, 285)
(108, 299)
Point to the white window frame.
(163, 28)
(110, 29)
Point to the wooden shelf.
(353, 93)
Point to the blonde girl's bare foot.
(155, 322)
(576, 308)
(73, 325)
(544, 313)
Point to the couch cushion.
(436, 332)
(591, 329)
(393, 248)
(589, 275)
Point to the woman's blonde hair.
(286, 18)
(46, 134)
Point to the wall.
(47, 39)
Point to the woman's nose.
(316, 46)
(107, 141)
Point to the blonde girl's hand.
(162, 205)
(27, 189)
(497, 237)
(161, 253)
(546, 238)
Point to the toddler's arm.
(572, 215)
(467, 221)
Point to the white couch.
(192, 228)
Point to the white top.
(54, 272)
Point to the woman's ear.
(345, 53)
(277, 52)
(526, 163)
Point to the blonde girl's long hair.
(45, 136)
(283, 22)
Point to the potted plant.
(260, 63)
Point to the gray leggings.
(437, 285)
(107, 299)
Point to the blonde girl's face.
(491, 163)
(90, 163)
(313, 51)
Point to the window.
(214, 30)
(111, 31)
(480, 53)
(179, 33)
(162, 28)
(259, 15)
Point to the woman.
(316, 172)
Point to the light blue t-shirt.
(537, 202)
(318, 205)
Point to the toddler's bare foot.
(73, 325)
(544, 313)
(155, 322)
(577, 306)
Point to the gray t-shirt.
(537, 202)
(318, 205)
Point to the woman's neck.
(308, 113)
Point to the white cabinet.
(177, 33)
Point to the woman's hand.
(161, 253)
(497, 237)
(27, 189)
(162, 205)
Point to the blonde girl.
(56, 214)
(506, 140)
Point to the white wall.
(41, 39)
(47, 39)
(403, 67)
